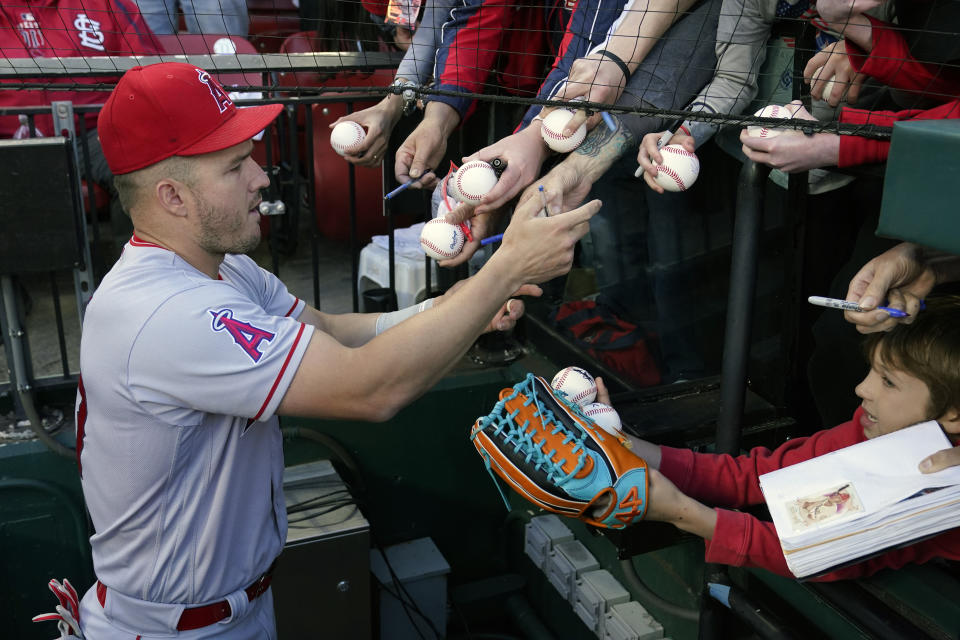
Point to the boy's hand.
(666, 503)
(941, 460)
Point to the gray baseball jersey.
(180, 452)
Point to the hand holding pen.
(847, 305)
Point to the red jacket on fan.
(742, 540)
(892, 63)
(66, 28)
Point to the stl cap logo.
(244, 334)
(222, 99)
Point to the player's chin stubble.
(223, 231)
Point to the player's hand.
(648, 154)
(537, 249)
(792, 151)
(524, 153)
(941, 460)
(481, 226)
(564, 188)
(838, 11)
(595, 78)
(512, 310)
(846, 81)
(425, 147)
(898, 276)
(379, 121)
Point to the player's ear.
(170, 195)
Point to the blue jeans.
(201, 16)
(640, 239)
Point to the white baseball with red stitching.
(577, 383)
(346, 135)
(769, 111)
(605, 416)
(441, 240)
(679, 169)
(552, 131)
(827, 88)
(474, 180)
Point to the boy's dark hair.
(928, 349)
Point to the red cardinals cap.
(172, 109)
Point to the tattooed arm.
(569, 182)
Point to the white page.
(878, 473)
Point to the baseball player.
(190, 351)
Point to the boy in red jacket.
(914, 377)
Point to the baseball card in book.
(856, 501)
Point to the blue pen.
(608, 119)
(846, 305)
(495, 238)
(405, 185)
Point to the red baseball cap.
(172, 109)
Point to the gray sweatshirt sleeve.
(417, 63)
(742, 34)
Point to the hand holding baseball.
(649, 156)
(379, 121)
(594, 78)
(524, 153)
(793, 151)
(832, 63)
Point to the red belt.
(199, 617)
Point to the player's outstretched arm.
(377, 379)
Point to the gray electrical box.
(321, 585)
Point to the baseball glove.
(550, 453)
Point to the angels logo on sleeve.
(244, 334)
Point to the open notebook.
(855, 501)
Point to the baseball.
(441, 240)
(769, 111)
(346, 135)
(472, 181)
(578, 385)
(605, 416)
(679, 169)
(828, 88)
(552, 131)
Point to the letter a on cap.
(223, 100)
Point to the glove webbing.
(522, 438)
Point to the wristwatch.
(408, 89)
